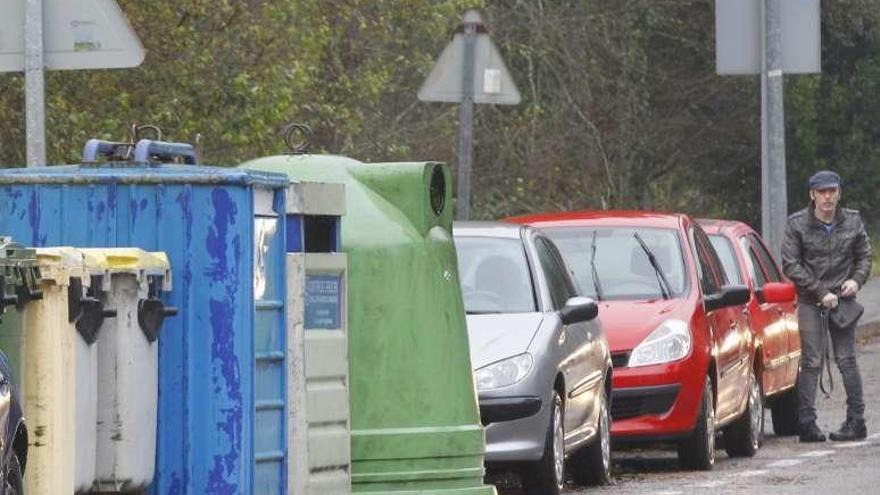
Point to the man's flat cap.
(824, 179)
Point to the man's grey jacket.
(818, 262)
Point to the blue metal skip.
(222, 389)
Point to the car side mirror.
(729, 295)
(778, 292)
(578, 309)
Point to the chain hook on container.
(136, 132)
(302, 146)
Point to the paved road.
(782, 466)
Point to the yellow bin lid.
(136, 261)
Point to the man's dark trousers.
(843, 341)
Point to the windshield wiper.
(661, 277)
(596, 283)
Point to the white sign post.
(35, 85)
(470, 70)
(36, 35)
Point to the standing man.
(827, 254)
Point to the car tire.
(13, 484)
(745, 435)
(784, 412)
(697, 452)
(593, 463)
(547, 476)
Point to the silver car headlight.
(503, 373)
(671, 341)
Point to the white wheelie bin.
(128, 366)
(92, 313)
(59, 374)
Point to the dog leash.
(825, 366)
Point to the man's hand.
(829, 301)
(849, 288)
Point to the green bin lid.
(19, 274)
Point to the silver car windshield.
(622, 265)
(494, 275)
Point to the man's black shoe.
(810, 433)
(850, 430)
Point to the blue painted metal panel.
(295, 234)
(270, 352)
(336, 241)
(222, 395)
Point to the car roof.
(601, 217)
(487, 229)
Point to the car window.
(712, 255)
(770, 267)
(559, 284)
(494, 275)
(571, 286)
(724, 249)
(754, 266)
(622, 267)
(709, 281)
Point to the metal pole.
(774, 204)
(35, 88)
(765, 181)
(466, 117)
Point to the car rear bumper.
(516, 428)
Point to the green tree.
(621, 105)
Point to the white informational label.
(492, 81)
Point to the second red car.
(772, 315)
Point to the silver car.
(541, 363)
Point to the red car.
(683, 352)
(773, 320)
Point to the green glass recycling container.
(414, 415)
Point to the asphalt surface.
(782, 465)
